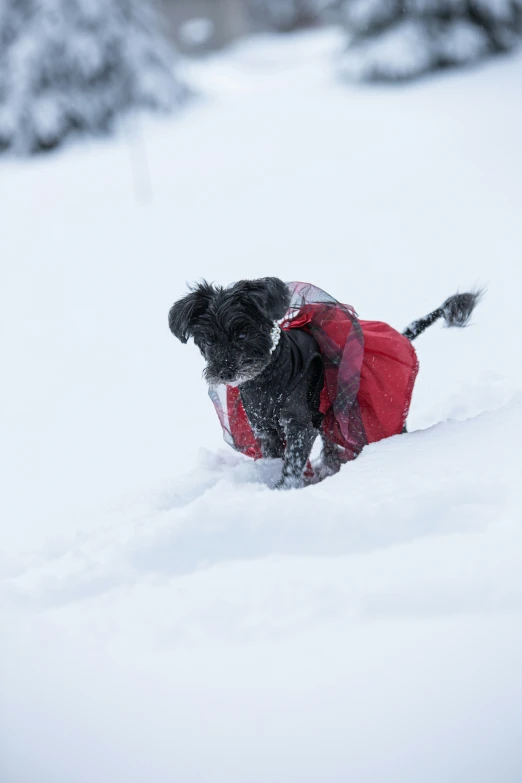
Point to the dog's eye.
(242, 336)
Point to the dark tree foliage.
(401, 39)
(75, 66)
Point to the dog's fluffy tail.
(456, 311)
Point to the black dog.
(279, 373)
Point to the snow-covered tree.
(286, 15)
(74, 66)
(401, 39)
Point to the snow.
(197, 31)
(167, 616)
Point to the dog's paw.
(323, 470)
(290, 482)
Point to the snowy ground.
(167, 617)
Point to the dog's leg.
(300, 436)
(330, 460)
(270, 443)
(296, 420)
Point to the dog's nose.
(226, 375)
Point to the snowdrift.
(360, 625)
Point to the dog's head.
(231, 326)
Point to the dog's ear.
(277, 297)
(269, 294)
(185, 312)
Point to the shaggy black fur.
(280, 387)
(456, 311)
(231, 326)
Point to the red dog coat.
(369, 373)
